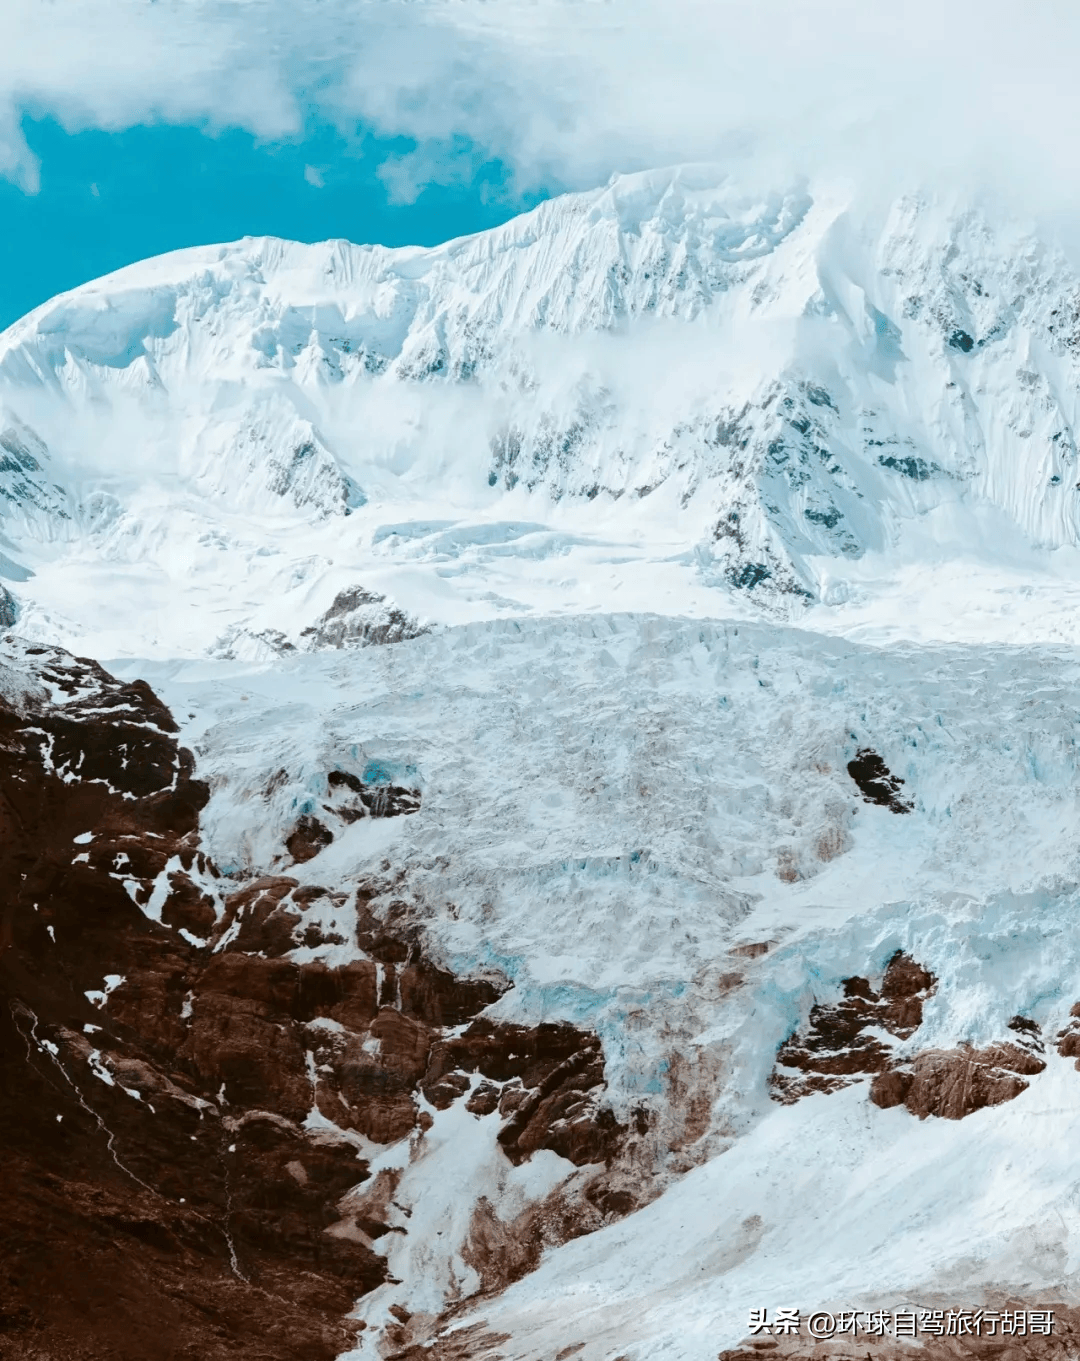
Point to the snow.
(628, 399)
(892, 1208)
(442, 1173)
(98, 997)
(698, 494)
(646, 763)
(607, 805)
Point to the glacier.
(664, 394)
(613, 537)
(616, 807)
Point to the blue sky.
(107, 198)
(129, 127)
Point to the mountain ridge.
(566, 938)
(801, 395)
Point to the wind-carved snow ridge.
(666, 390)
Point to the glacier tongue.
(687, 393)
(651, 827)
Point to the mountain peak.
(751, 395)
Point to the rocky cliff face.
(845, 1039)
(537, 971)
(718, 865)
(190, 1113)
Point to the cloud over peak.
(567, 91)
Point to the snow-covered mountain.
(663, 394)
(625, 870)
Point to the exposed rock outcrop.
(162, 1055)
(143, 1214)
(383, 791)
(380, 795)
(848, 1039)
(877, 783)
(953, 1083)
(1068, 1040)
(360, 618)
(307, 839)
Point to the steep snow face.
(651, 828)
(663, 394)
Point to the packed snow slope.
(666, 394)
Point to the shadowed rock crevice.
(877, 783)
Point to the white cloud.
(568, 91)
(314, 176)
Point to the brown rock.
(484, 1099)
(564, 1113)
(1068, 1040)
(166, 1244)
(835, 1048)
(346, 994)
(447, 1089)
(891, 1088)
(307, 838)
(257, 1061)
(185, 1206)
(954, 1083)
(188, 907)
(753, 950)
(440, 999)
(259, 918)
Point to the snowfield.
(613, 535)
(665, 395)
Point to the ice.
(665, 395)
(610, 806)
(697, 494)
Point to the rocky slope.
(186, 1107)
(705, 845)
(435, 932)
(428, 1012)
